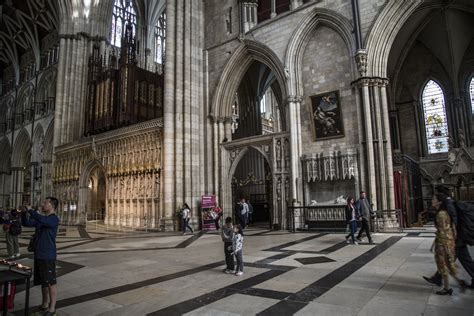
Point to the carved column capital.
(361, 62)
(295, 99)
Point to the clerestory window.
(122, 14)
(160, 39)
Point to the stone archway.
(93, 170)
(275, 148)
(20, 164)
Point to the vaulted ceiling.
(445, 28)
(23, 23)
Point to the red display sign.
(208, 201)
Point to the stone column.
(168, 203)
(295, 143)
(273, 8)
(183, 115)
(360, 152)
(370, 162)
(249, 14)
(70, 91)
(219, 140)
(388, 147)
(382, 186)
(215, 139)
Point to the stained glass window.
(436, 124)
(471, 90)
(160, 37)
(123, 13)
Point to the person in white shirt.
(186, 216)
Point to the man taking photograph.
(46, 226)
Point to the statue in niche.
(121, 187)
(287, 190)
(157, 185)
(142, 185)
(287, 154)
(94, 149)
(278, 189)
(278, 154)
(149, 189)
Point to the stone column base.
(168, 224)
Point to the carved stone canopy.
(464, 162)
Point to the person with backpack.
(12, 228)
(462, 216)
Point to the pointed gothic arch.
(5, 149)
(383, 33)
(296, 47)
(234, 71)
(38, 142)
(21, 148)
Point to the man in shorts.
(46, 226)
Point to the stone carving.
(278, 189)
(131, 167)
(462, 139)
(340, 200)
(286, 146)
(335, 166)
(361, 61)
(278, 154)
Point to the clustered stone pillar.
(378, 169)
(294, 105)
(18, 174)
(70, 89)
(249, 14)
(183, 115)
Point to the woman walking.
(351, 217)
(186, 215)
(444, 245)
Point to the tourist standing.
(242, 212)
(250, 214)
(227, 235)
(351, 217)
(12, 228)
(444, 245)
(217, 214)
(186, 215)
(365, 212)
(237, 248)
(46, 227)
(462, 252)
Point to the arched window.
(160, 36)
(471, 91)
(123, 13)
(436, 124)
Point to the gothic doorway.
(92, 204)
(256, 157)
(252, 180)
(96, 206)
